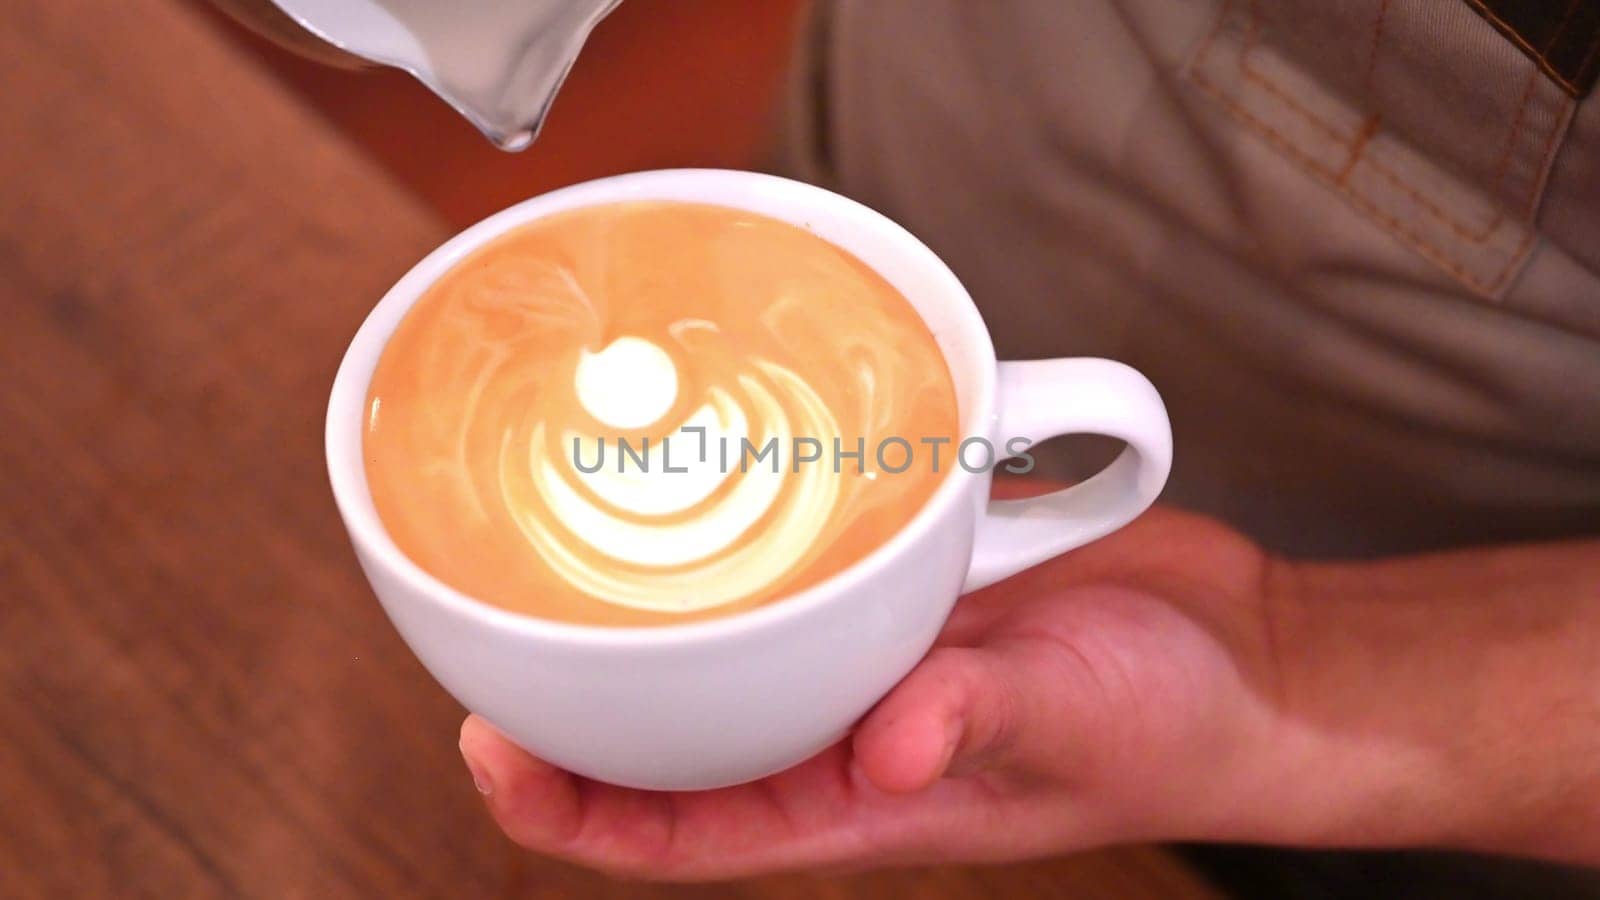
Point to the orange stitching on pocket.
(1503, 163)
(1416, 242)
(1545, 149)
(1252, 38)
(1427, 205)
(1372, 51)
(1368, 129)
(1439, 213)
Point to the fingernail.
(480, 776)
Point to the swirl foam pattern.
(701, 337)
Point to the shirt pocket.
(1422, 117)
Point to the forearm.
(1448, 700)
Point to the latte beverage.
(653, 412)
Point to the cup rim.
(347, 401)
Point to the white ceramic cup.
(728, 700)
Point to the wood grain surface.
(198, 694)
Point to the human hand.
(1123, 691)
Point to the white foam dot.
(630, 383)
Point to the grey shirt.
(1356, 245)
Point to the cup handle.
(1039, 399)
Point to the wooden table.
(198, 693)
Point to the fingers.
(955, 710)
(874, 802)
(535, 803)
(805, 816)
(544, 808)
(1018, 704)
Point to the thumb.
(962, 710)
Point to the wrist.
(1420, 703)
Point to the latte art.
(683, 548)
(565, 423)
